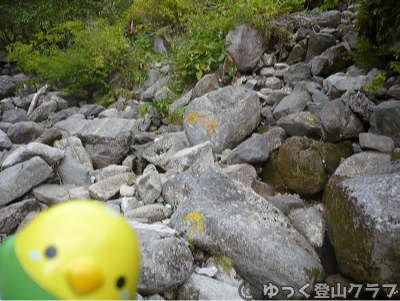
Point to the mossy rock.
(271, 175)
(363, 217)
(333, 153)
(301, 166)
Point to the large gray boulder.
(385, 120)
(107, 140)
(72, 146)
(218, 214)
(301, 124)
(7, 86)
(363, 217)
(332, 60)
(24, 152)
(164, 148)
(11, 216)
(318, 43)
(245, 45)
(257, 148)
(199, 287)
(166, 261)
(293, 103)
(24, 132)
(20, 178)
(225, 117)
(339, 122)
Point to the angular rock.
(5, 142)
(301, 124)
(394, 91)
(43, 111)
(225, 117)
(14, 116)
(72, 125)
(365, 164)
(257, 148)
(363, 215)
(294, 102)
(80, 192)
(150, 92)
(332, 60)
(244, 173)
(298, 54)
(359, 104)
(199, 287)
(331, 18)
(319, 97)
(245, 45)
(180, 102)
(166, 261)
(63, 114)
(273, 83)
(310, 223)
(385, 120)
(73, 147)
(152, 212)
(380, 143)
(293, 201)
(110, 171)
(105, 189)
(50, 154)
(318, 43)
(49, 136)
(205, 217)
(12, 215)
(296, 73)
(51, 194)
(91, 110)
(71, 171)
(160, 152)
(7, 86)
(184, 158)
(207, 83)
(24, 132)
(20, 178)
(339, 122)
(149, 184)
(337, 84)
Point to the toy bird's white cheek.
(34, 255)
(125, 294)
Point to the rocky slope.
(247, 187)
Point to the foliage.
(177, 116)
(145, 108)
(377, 82)
(224, 261)
(83, 45)
(378, 29)
(22, 20)
(79, 56)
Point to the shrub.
(75, 55)
(378, 29)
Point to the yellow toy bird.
(74, 250)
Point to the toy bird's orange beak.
(84, 277)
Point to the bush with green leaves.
(378, 25)
(76, 55)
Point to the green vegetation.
(379, 38)
(97, 47)
(224, 261)
(103, 48)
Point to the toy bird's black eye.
(50, 252)
(120, 282)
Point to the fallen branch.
(35, 98)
